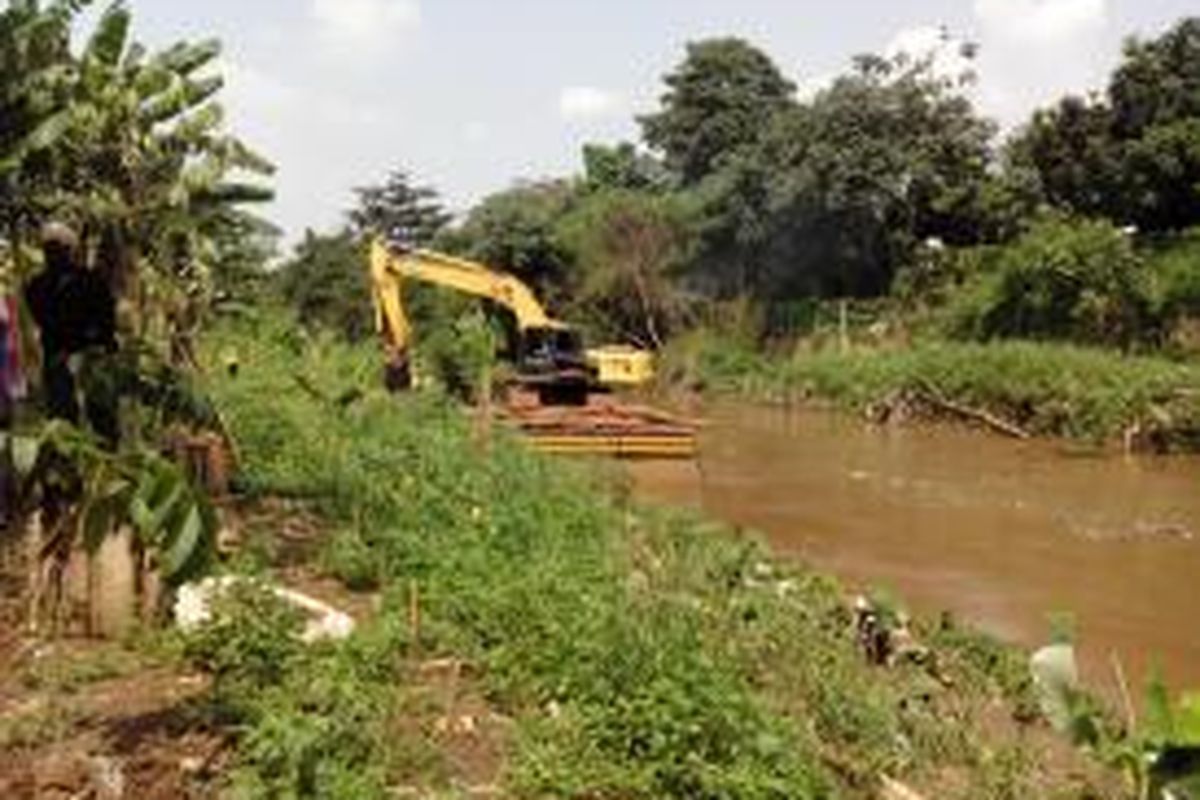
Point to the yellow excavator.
(549, 355)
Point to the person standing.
(75, 312)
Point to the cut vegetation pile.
(607, 651)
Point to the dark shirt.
(74, 309)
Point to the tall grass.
(1049, 389)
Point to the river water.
(1007, 535)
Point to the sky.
(473, 95)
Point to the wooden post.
(844, 325)
(414, 613)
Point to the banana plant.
(35, 63)
(132, 145)
(173, 520)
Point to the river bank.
(1016, 389)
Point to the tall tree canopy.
(719, 100)
(400, 210)
(628, 249)
(622, 166)
(326, 283)
(887, 157)
(514, 230)
(1132, 155)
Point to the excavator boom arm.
(389, 269)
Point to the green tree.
(34, 54)
(1132, 155)
(628, 249)
(1066, 279)
(718, 101)
(400, 210)
(243, 247)
(1158, 81)
(514, 230)
(731, 213)
(622, 167)
(326, 283)
(840, 191)
(131, 147)
(1078, 162)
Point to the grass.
(637, 653)
(1048, 389)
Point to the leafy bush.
(250, 641)
(1067, 280)
(1175, 261)
(310, 716)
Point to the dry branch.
(931, 395)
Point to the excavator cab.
(552, 361)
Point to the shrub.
(1072, 280)
(1175, 261)
(248, 644)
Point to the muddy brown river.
(1007, 535)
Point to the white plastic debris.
(323, 622)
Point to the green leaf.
(48, 132)
(140, 514)
(1159, 716)
(184, 545)
(1187, 721)
(25, 452)
(185, 58)
(152, 80)
(201, 91)
(162, 511)
(105, 507)
(112, 33)
(231, 193)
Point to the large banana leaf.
(108, 41)
(172, 517)
(187, 58)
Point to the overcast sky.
(474, 94)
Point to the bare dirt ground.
(88, 719)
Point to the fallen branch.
(931, 395)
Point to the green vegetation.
(1048, 389)
(127, 149)
(1061, 281)
(886, 191)
(637, 653)
(625, 652)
